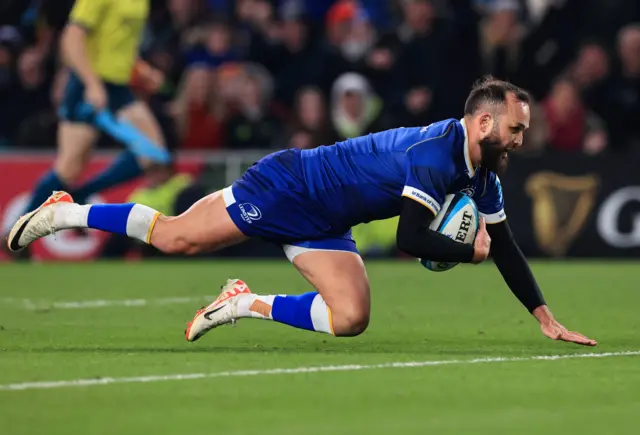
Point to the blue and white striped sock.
(133, 220)
(307, 311)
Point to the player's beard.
(494, 155)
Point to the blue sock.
(307, 311)
(133, 220)
(45, 187)
(124, 167)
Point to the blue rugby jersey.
(363, 179)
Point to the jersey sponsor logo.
(422, 198)
(250, 212)
(494, 218)
(424, 129)
(556, 223)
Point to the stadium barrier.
(558, 205)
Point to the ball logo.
(250, 212)
(465, 226)
(443, 265)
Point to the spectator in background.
(301, 139)
(291, 57)
(199, 111)
(255, 21)
(350, 37)
(590, 72)
(355, 109)
(500, 36)
(310, 125)
(32, 107)
(169, 31)
(213, 46)
(419, 61)
(253, 125)
(183, 13)
(10, 41)
(622, 109)
(171, 21)
(591, 66)
(570, 125)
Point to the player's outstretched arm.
(416, 238)
(517, 274)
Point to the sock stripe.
(330, 314)
(321, 315)
(152, 226)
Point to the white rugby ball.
(458, 219)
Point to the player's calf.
(340, 278)
(206, 226)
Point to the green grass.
(462, 314)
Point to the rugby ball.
(458, 219)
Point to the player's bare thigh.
(205, 227)
(139, 114)
(75, 143)
(341, 279)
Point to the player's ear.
(486, 123)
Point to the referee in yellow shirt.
(100, 47)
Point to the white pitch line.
(31, 304)
(318, 369)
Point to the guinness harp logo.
(561, 205)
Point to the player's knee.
(351, 320)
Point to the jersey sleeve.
(87, 13)
(491, 202)
(427, 178)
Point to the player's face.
(504, 135)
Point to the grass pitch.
(92, 321)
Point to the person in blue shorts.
(308, 201)
(99, 47)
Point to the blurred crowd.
(243, 74)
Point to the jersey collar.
(471, 172)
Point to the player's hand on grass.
(555, 331)
(96, 95)
(482, 244)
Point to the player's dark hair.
(492, 91)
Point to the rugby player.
(307, 201)
(100, 47)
